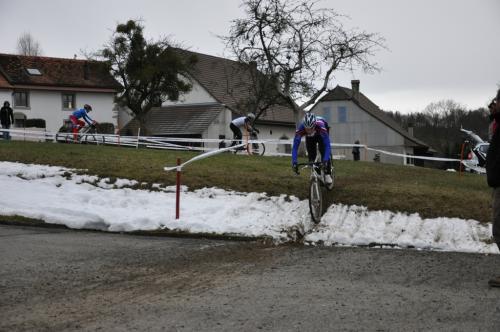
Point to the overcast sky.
(438, 49)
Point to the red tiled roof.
(55, 72)
(3, 83)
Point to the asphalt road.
(61, 280)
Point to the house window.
(327, 114)
(410, 160)
(68, 101)
(34, 71)
(342, 114)
(21, 99)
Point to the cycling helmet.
(251, 116)
(309, 120)
(87, 107)
(492, 103)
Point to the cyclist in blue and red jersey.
(81, 114)
(315, 129)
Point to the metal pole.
(178, 189)
(461, 159)
(138, 136)
(118, 133)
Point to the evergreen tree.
(150, 72)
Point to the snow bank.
(63, 196)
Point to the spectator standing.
(6, 118)
(493, 173)
(355, 151)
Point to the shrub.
(106, 128)
(37, 123)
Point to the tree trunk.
(141, 118)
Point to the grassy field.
(431, 193)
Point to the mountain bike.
(88, 134)
(317, 188)
(257, 149)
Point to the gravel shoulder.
(60, 280)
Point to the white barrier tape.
(162, 143)
(180, 147)
(203, 156)
(164, 140)
(411, 156)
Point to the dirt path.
(61, 280)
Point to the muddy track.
(61, 280)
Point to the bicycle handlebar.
(311, 164)
(316, 163)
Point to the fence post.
(178, 189)
(138, 135)
(461, 159)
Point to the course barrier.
(196, 144)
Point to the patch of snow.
(60, 195)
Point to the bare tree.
(299, 46)
(443, 109)
(250, 90)
(27, 45)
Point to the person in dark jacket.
(355, 151)
(6, 118)
(493, 172)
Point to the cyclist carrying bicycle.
(315, 129)
(241, 122)
(77, 123)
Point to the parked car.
(476, 159)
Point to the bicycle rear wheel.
(315, 201)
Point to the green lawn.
(431, 193)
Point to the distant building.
(352, 117)
(205, 112)
(52, 88)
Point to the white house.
(51, 88)
(219, 87)
(353, 117)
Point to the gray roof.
(229, 82)
(191, 119)
(341, 93)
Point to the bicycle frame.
(316, 188)
(85, 132)
(250, 148)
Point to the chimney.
(410, 130)
(355, 89)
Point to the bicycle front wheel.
(256, 149)
(315, 201)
